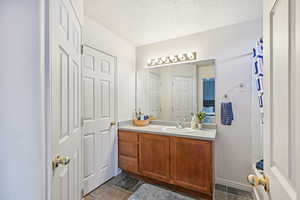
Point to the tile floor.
(123, 185)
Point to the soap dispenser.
(194, 121)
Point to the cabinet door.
(155, 156)
(128, 151)
(191, 164)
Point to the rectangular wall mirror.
(174, 92)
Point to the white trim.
(257, 191)
(116, 109)
(255, 194)
(48, 94)
(233, 184)
(297, 95)
(43, 69)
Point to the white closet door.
(183, 97)
(98, 113)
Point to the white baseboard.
(117, 172)
(257, 191)
(234, 184)
(256, 194)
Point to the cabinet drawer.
(128, 149)
(128, 136)
(128, 163)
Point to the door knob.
(60, 161)
(113, 123)
(256, 181)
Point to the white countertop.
(203, 134)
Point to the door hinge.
(81, 49)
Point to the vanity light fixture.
(182, 57)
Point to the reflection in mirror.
(173, 93)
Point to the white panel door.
(183, 97)
(154, 94)
(98, 113)
(65, 95)
(280, 129)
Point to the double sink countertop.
(169, 128)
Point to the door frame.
(48, 99)
(46, 7)
(44, 66)
(297, 95)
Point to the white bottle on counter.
(194, 122)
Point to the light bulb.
(166, 60)
(156, 60)
(150, 61)
(173, 58)
(191, 55)
(160, 61)
(181, 57)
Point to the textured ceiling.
(147, 21)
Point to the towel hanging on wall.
(258, 60)
(226, 113)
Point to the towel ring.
(226, 96)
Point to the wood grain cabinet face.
(128, 136)
(128, 151)
(129, 164)
(192, 164)
(154, 156)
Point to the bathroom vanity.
(178, 157)
(164, 151)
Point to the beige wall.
(22, 114)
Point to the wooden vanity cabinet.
(187, 163)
